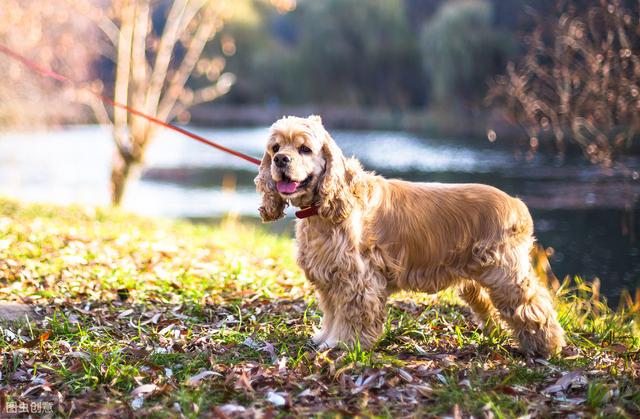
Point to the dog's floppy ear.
(336, 197)
(273, 205)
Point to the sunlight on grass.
(152, 315)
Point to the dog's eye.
(275, 148)
(304, 149)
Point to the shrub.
(460, 50)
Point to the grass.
(150, 317)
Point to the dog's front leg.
(328, 317)
(354, 311)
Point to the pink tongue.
(287, 187)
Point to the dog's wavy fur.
(375, 236)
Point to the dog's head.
(304, 166)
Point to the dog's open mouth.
(288, 186)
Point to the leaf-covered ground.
(140, 317)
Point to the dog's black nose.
(281, 160)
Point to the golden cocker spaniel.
(373, 236)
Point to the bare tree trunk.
(121, 168)
(126, 160)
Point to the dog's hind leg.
(523, 302)
(478, 299)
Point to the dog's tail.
(521, 227)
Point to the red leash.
(303, 213)
(56, 76)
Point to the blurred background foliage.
(344, 52)
(395, 54)
(461, 48)
(424, 65)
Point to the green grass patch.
(169, 318)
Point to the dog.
(374, 236)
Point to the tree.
(154, 50)
(579, 80)
(357, 52)
(460, 50)
(156, 47)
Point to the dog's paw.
(326, 345)
(317, 338)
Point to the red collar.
(307, 212)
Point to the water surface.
(578, 209)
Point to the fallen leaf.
(282, 365)
(268, 348)
(77, 354)
(137, 402)
(166, 329)
(45, 336)
(570, 402)
(420, 349)
(37, 341)
(425, 390)
(144, 389)
(195, 380)
(30, 390)
(244, 381)
(230, 409)
(366, 383)
(308, 393)
(276, 398)
(465, 383)
(617, 348)
(405, 375)
(568, 380)
(125, 313)
(547, 364)
(251, 343)
(505, 389)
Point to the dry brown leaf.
(277, 399)
(568, 380)
(144, 389)
(37, 341)
(195, 380)
(125, 313)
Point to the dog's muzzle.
(287, 186)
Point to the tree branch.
(164, 53)
(139, 67)
(97, 16)
(203, 95)
(123, 67)
(204, 31)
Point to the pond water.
(579, 210)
